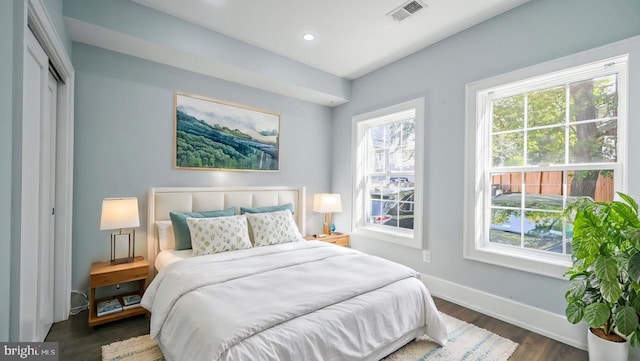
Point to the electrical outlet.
(426, 256)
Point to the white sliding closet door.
(37, 194)
(47, 211)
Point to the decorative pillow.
(166, 239)
(181, 229)
(289, 206)
(273, 228)
(220, 234)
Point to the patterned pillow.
(220, 234)
(273, 228)
(181, 229)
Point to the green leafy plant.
(604, 288)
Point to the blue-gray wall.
(535, 32)
(6, 116)
(124, 142)
(55, 11)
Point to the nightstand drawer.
(111, 278)
(104, 274)
(340, 241)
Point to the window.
(388, 179)
(541, 143)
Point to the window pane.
(508, 149)
(375, 160)
(511, 200)
(401, 160)
(505, 227)
(377, 149)
(508, 113)
(378, 137)
(594, 142)
(596, 184)
(408, 160)
(404, 216)
(543, 231)
(545, 146)
(594, 99)
(503, 184)
(543, 190)
(546, 107)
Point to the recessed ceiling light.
(308, 37)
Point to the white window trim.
(372, 231)
(475, 156)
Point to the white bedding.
(293, 301)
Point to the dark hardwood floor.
(532, 346)
(79, 342)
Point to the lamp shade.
(118, 213)
(327, 203)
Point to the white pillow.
(166, 239)
(219, 234)
(273, 228)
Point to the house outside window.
(541, 143)
(388, 174)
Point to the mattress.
(295, 301)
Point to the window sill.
(550, 267)
(401, 238)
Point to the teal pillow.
(181, 228)
(268, 209)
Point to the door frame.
(42, 26)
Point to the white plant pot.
(603, 350)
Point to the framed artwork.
(212, 134)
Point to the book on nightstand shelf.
(130, 301)
(108, 307)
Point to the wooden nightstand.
(340, 239)
(105, 274)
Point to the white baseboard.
(542, 322)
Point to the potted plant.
(604, 283)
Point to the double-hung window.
(540, 144)
(388, 174)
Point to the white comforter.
(294, 301)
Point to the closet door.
(47, 211)
(36, 224)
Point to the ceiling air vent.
(405, 10)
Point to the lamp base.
(130, 253)
(122, 260)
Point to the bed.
(296, 300)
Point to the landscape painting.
(212, 134)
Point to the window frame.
(477, 154)
(361, 123)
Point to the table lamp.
(119, 213)
(327, 203)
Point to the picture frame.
(211, 134)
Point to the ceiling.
(352, 37)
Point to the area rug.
(466, 342)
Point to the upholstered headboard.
(189, 199)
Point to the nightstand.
(337, 238)
(105, 274)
